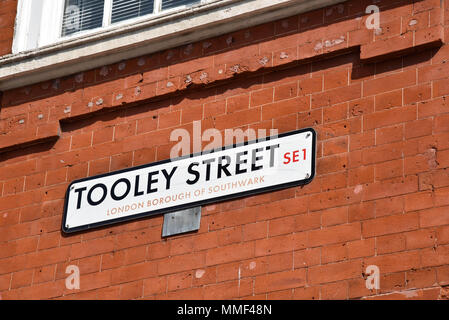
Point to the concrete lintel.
(126, 42)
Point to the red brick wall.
(377, 101)
(8, 9)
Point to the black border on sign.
(197, 203)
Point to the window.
(44, 22)
(80, 15)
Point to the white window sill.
(103, 47)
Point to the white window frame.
(39, 22)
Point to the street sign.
(176, 184)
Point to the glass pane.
(82, 15)
(127, 9)
(168, 4)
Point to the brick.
(332, 163)
(48, 240)
(440, 87)
(134, 272)
(389, 188)
(229, 271)
(280, 281)
(238, 119)
(310, 85)
(428, 36)
(395, 262)
(281, 226)
(389, 169)
(335, 234)
(334, 272)
(334, 181)
(417, 93)
(44, 274)
(361, 175)
(205, 241)
(282, 208)
(22, 278)
(435, 256)
(232, 218)
(103, 135)
(280, 262)
(390, 243)
(361, 248)
(418, 128)
(388, 100)
(335, 113)
(280, 244)
(390, 82)
(205, 276)
(442, 275)
(389, 134)
(432, 107)
(441, 197)
(361, 106)
(433, 217)
(13, 186)
(334, 216)
(440, 124)
(432, 72)
(334, 291)
(335, 79)
(362, 211)
(286, 91)
(418, 201)
(389, 206)
(181, 263)
(142, 125)
(390, 224)
(179, 281)
(286, 123)
(334, 253)
(154, 286)
(306, 293)
(307, 257)
(357, 289)
(92, 247)
(289, 106)
(131, 290)
(335, 146)
(136, 238)
(227, 290)
(385, 47)
(421, 278)
(392, 281)
(237, 103)
(390, 117)
(5, 281)
(336, 96)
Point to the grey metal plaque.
(181, 221)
